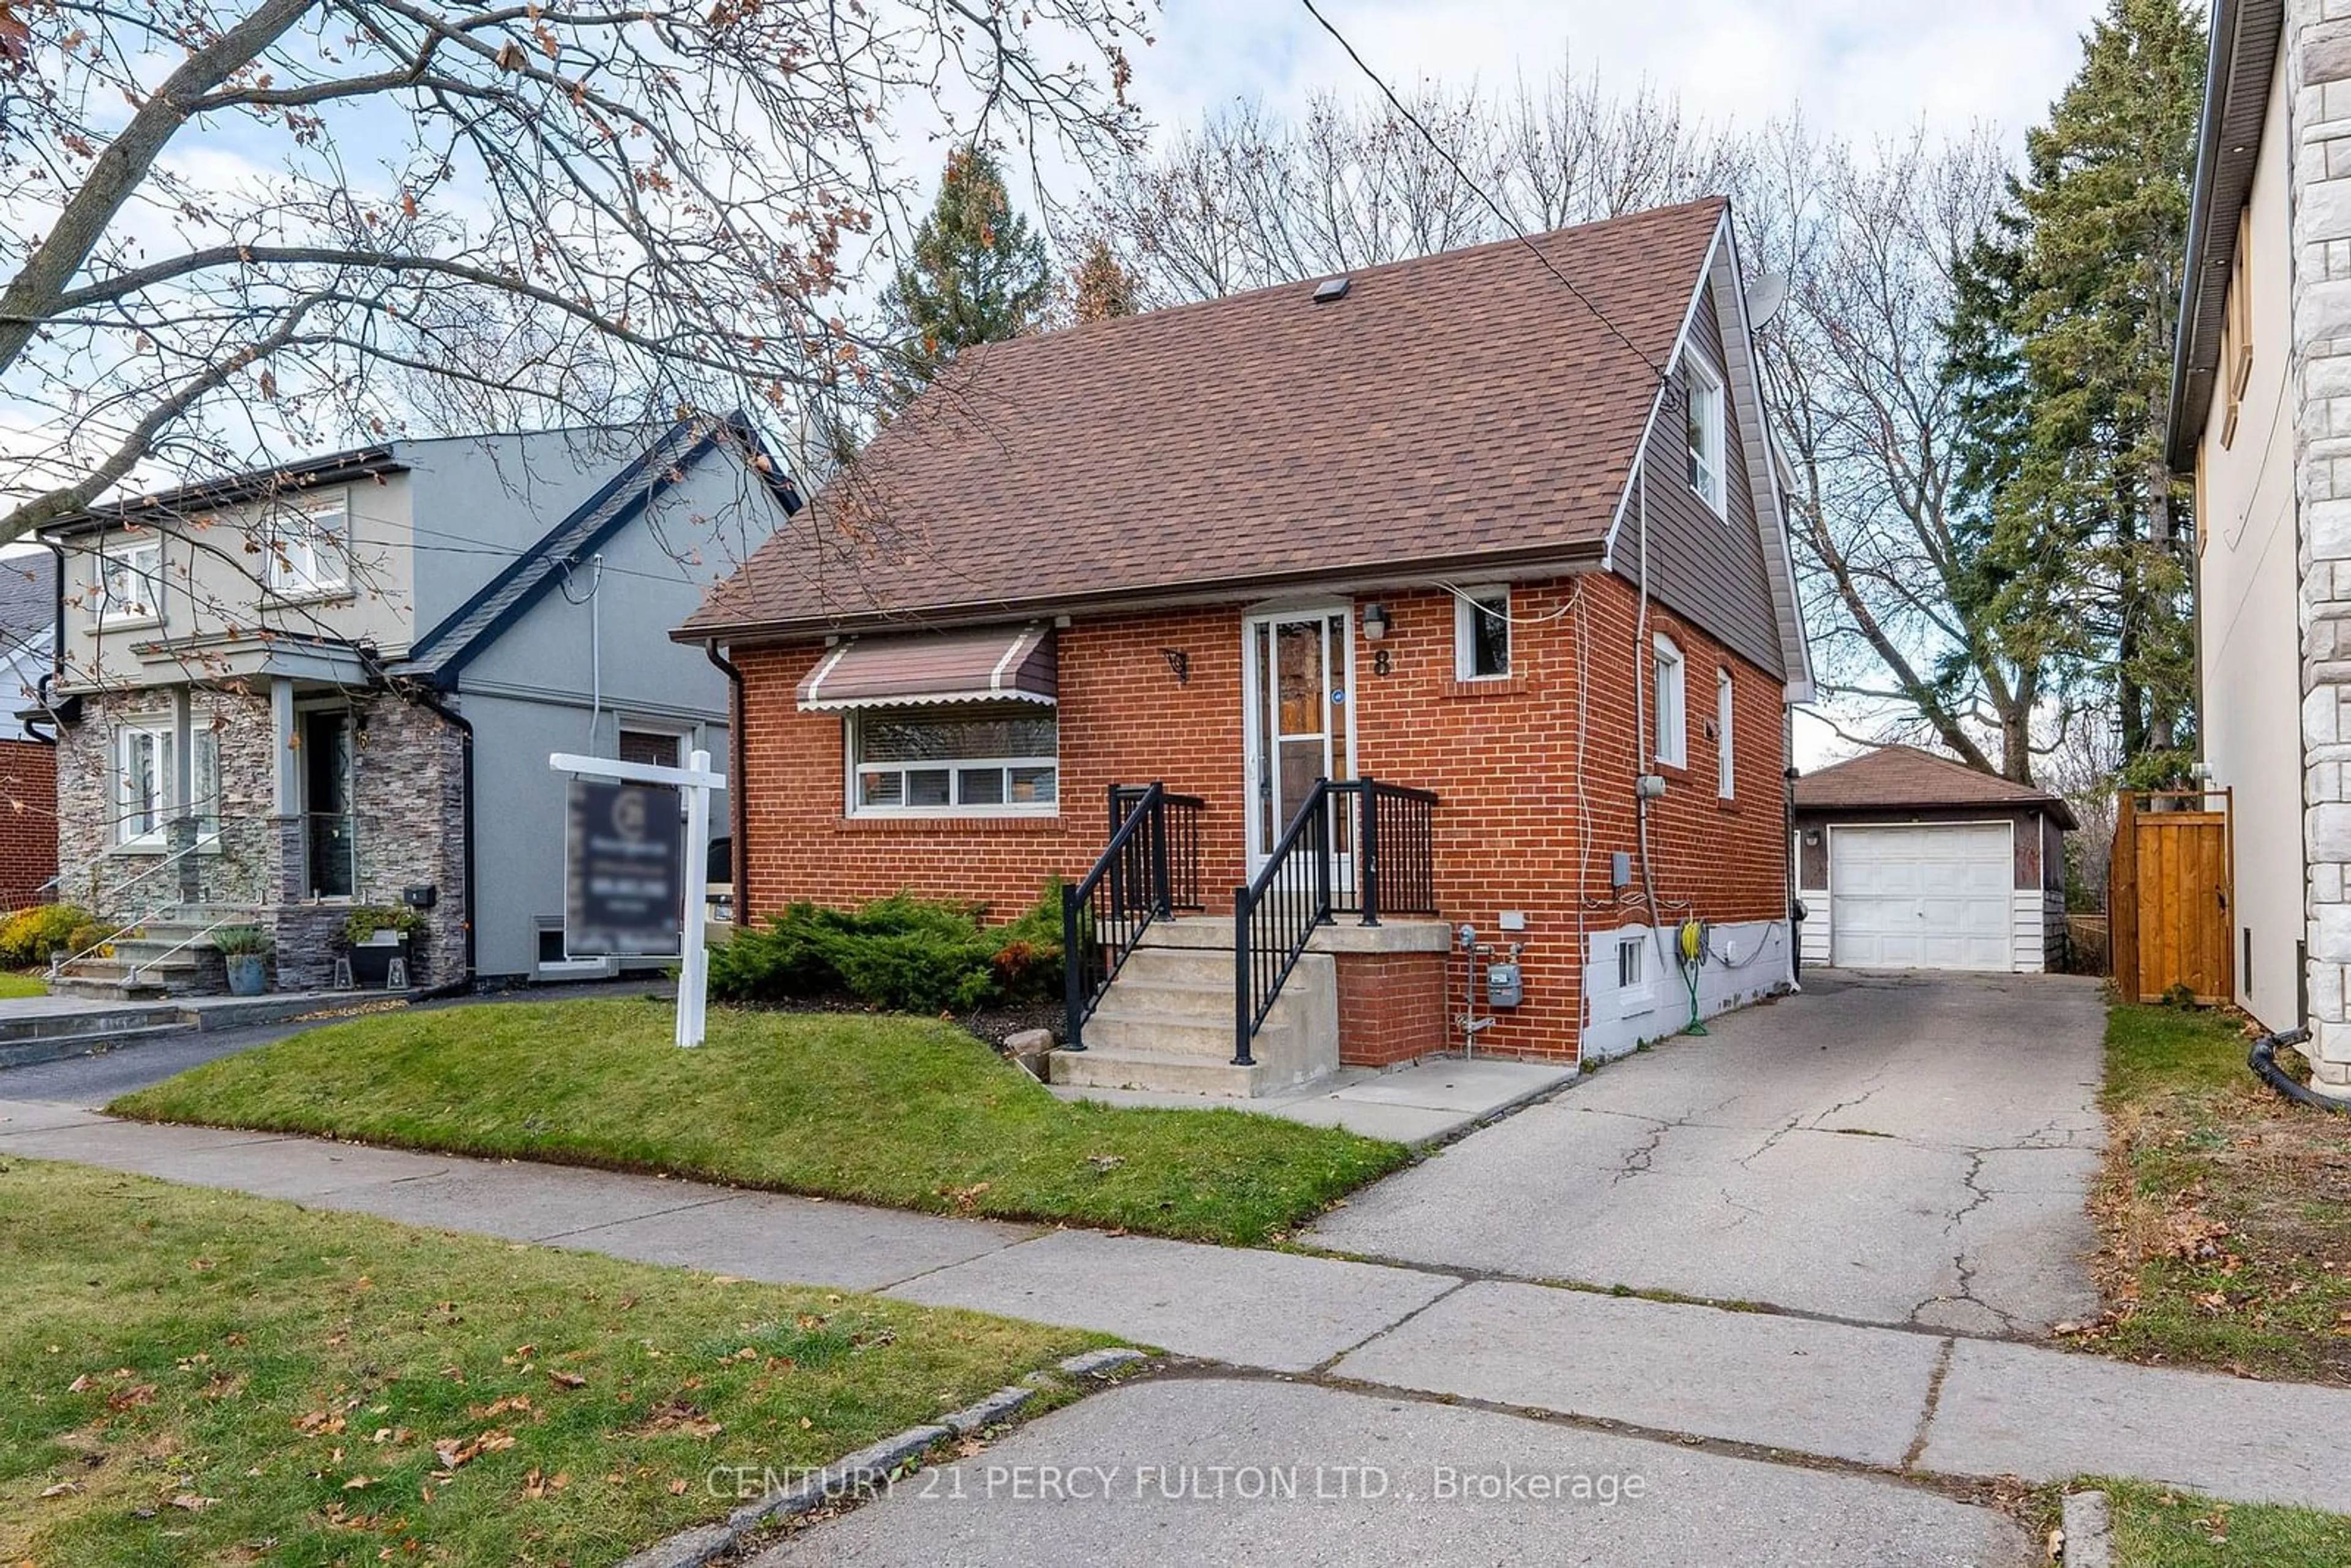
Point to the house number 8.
(1381, 662)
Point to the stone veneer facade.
(2318, 83)
(408, 781)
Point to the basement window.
(1633, 992)
(992, 758)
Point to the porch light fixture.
(1180, 662)
(1375, 621)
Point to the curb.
(2089, 1526)
(860, 1474)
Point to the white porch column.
(286, 774)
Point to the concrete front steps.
(170, 956)
(1168, 1022)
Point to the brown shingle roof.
(1894, 777)
(1448, 409)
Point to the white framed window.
(1703, 413)
(1725, 779)
(1482, 633)
(1668, 709)
(146, 774)
(130, 581)
(994, 758)
(1634, 994)
(304, 546)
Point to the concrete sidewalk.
(1893, 1399)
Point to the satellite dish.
(1765, 295)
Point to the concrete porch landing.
(1433, 1098)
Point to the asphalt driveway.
(1908, 1148)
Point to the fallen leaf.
(357, 1482)
(193, 1503)
(567, 1379)
(677, 1487)
(63, 1489)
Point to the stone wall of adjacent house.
(408, 799)
(1535, 775)
(2319, 80)
(29, 820)
(97, 870)
(411, 804)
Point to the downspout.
(433, 700)
(739, 859)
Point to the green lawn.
(192, 1376)
(27, 984)
(2225, 1208)
(2158, 1527)
(900, 1111)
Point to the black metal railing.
(1149, 870)
(1384, 836)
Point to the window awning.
(992, 665)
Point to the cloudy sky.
(1863, 68)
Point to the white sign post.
(697, 781)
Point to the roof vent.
(1329, 291)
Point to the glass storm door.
(1294, 670)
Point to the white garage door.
(1933, 897)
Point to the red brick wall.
(28, 819)
(1391, 1007)
(1504, 756)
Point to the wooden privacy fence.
(2169, 889)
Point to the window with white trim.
(1726, 783)
(304, 545)
(146, 776)
(130, 579)
(1702, 401)
(978, 759)
(1669, 710)
(1633, 992)
(1482, 633)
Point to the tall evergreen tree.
(979, 273)
(2071, 454)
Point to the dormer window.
(1702, 397)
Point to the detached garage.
(1908, 860)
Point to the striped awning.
(991, 666)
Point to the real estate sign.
(624, 872)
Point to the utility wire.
(1479, 191)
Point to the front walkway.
(1877, 1401)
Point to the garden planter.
(372, 961)
(248, 974)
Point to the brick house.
(28, 760)
(1502, 545)
(336, 683)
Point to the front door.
(1295, 673)
(332, 842)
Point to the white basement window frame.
(1635, 992)
(1703, 429)
(306, 546)
(1668, 706)
(128, 580)
(953, 759)
(1725, 729)
(1482, 633)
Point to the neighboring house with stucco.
(2260, 419)
(336, 683)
